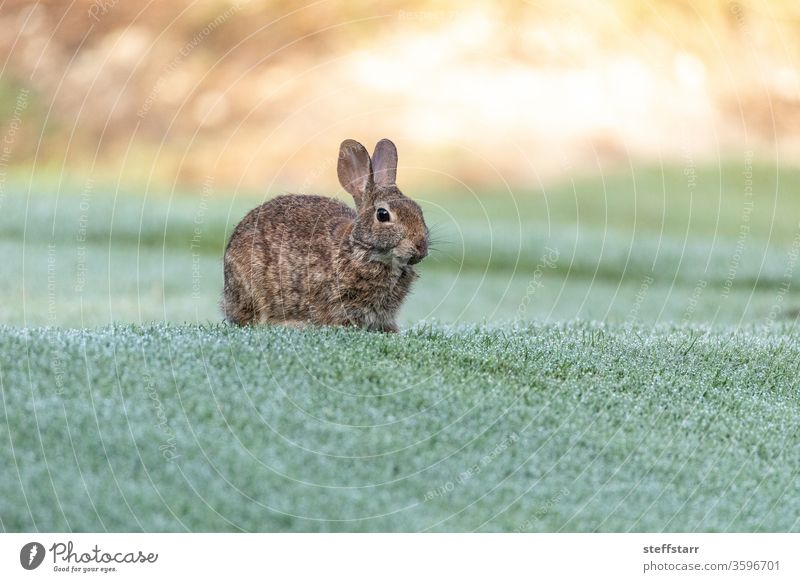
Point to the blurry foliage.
(260, 93)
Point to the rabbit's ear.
(384, 163)
(354, 169)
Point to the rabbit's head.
(388, 223)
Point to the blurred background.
(621, 161)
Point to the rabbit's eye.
(382, 215)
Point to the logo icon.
(31, 555)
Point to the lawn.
(535, 427)
(613, 354)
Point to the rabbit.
(304, 259)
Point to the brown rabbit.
(310, 259)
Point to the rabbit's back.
(279, 254)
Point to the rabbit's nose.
(421, 249)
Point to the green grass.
(556, 427)
(644, 378)
(155, 256)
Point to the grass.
(535, 427)
(87, 256)
(612, 354)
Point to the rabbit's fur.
(309, 259)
